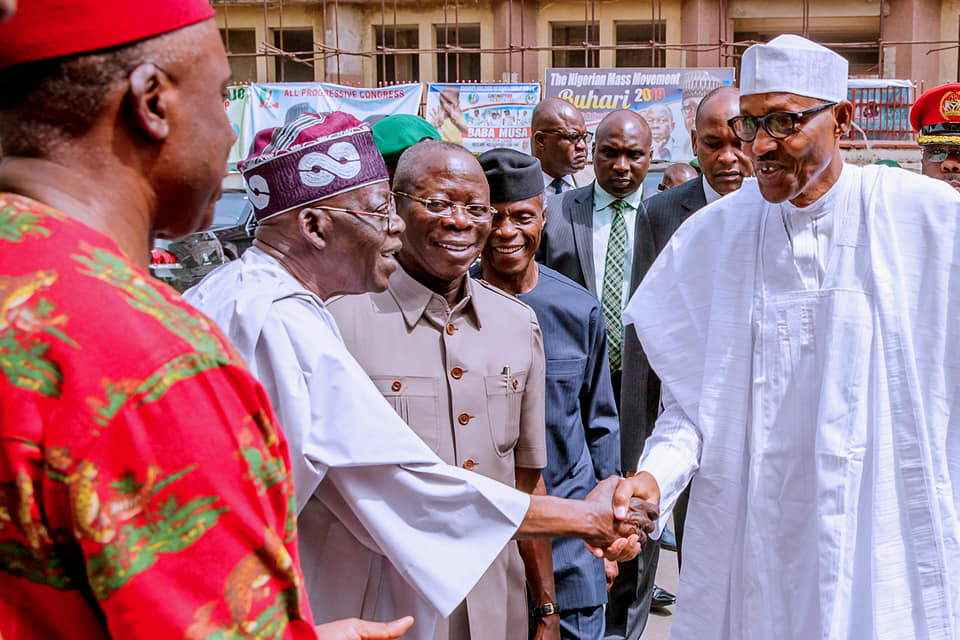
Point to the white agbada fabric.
(366, 485)
(818, 420)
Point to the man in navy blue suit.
(583, 431)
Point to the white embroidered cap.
(791, 64)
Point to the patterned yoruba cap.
(308, 159)
(936, 115)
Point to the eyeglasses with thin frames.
(390, 206)
(570, 136)
(444, 208)
(939, 154)
(777, 124)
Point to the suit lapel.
(581, 215)
(695, 198)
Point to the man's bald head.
(551, 111)
(414, 159)
(618, 120)
(718, 150)
(557, 139)
(724, 99)
(676, 174)
(621, 155)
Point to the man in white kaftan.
(354, 442)
(805, 329)
(385, 528)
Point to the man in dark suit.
(583, 433)
(724, 167)
(559, 142)
(599, 236)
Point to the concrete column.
(524, 21)
(699, 24)
(350, 26)
(914, 20)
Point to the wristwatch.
(546, 610)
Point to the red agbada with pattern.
(144, 484)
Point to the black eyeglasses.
(778, 124)
(444, 208)
(569, 136)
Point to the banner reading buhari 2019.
(261, 106)
(666, 98)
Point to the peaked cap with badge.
(936, 115)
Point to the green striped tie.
(611, 298)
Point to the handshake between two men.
(611, 522)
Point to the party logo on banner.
(666, 98)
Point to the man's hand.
(617, 537)
(643, 486)
(354, 629)
(611, 569)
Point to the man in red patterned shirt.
(144, 484)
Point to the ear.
(315, 226)
(843, 114)
(693, 140)
(538, 139)
(150, 98)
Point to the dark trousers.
(679, 517)
(630, 595)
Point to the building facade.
(368, 42)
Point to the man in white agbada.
(807, 332)
(385, 528)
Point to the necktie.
(557, 184)
(611, 298)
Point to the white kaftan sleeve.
(671, 454)
(440, 526)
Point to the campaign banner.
(275, 104)
(236, 107)
(666, 98)
(483, 116)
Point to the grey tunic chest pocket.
(504, 402)
(416, 399)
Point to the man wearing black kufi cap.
(582, 427)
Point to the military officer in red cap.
(936, 117)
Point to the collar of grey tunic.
(414, 299)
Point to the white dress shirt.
(709, 192)
(567, 183)
(602, 221)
